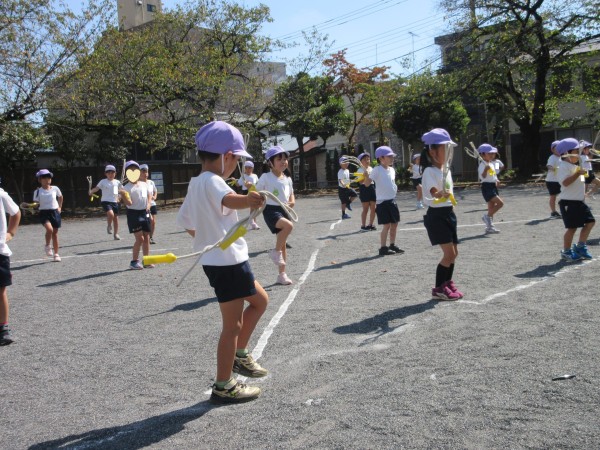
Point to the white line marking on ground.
(94, 255)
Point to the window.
(151, 8)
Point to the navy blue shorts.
(553, 187)
(5, 275)
(110, 206)
(52, 216)
(138, 220)
(441, 224)
(231, 282)
(272, 214)
(590, 177)
(575, 213)
(387, 212)
(153, 210)
(416, 182)
(489, 191)
(346, 195)
(367, 193)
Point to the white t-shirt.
(203, 211)
(151, 190)
(585, 162)
(385, 183)
(343, 178)
(369, 171)
(552, 166)
(7, 206)
(281, 187)
(433, 178)
(139, 195)
(110, 190)
(496, 167)
(574, 191)
(252, 178)
(415, 171)
(47, 197)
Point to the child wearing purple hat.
(440, 220)
(208, 211)
(110, 188)
(247, 180)
(488, 171)
(552, 183)
(345, 193)
(366, 194)
(50, 199)
(575, 212)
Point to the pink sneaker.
(454, 289)
(277, 257)
(282, 278)
(443, 292)
(48, 250)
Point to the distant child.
(207, 213)
(110, 199)
(388, 215)
(280, 185)
(345, 193)
(575, 212)
(144, 173)
(246, 181)
(366, 194)
(7, 233)
(138, 215)
(51, 200)
(415, 178)
(488, 172)
(591, 182)
(552, 183)
(440, 220)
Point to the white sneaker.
(282, 278)
(117, 237)
(254, 226)
(48, 250)
(487, 220)
(109, 229)
(277, 257)
(57, 258)
(492, 230)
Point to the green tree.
(517, 55)
(308, 106)
(380, 99)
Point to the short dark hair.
(207, 156)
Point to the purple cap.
(273, 151)
(554, 144)
(144, 167)
(415, 156)
(437, 136)
(362, 155)
(343, 160)
(43, 172)
(487, 148)
(384, 150)
(585, 144)
(128, 164)
(248, 164)
(220, 137)
(566, 145)
(110, 168)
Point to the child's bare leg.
(232, 316)
(494, 206)
(49, 230)
(145, 243)
(3, 305)
(568, 237)
(252, 314)
(286, 228)
(137, 245)
(450, 253)
(110, 216)
(372, 215)
(363, 214)
(55, 240)
(419, 192)
(384, 234)
(115, 224)
(585, 231)
(552, 203)
(393, 228)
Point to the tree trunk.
(529, 158)
(302, 174)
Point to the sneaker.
(152, 241)
(117, 237)
(48, 250)
(234, 392)
(5, 337)
(487, 220)
(345, 216)
(247, 367)
(277, 257)
(582, 251)
(383, 251)
(372, 228)
(109, 229)
(254, 226)
(136, 265)
(443, 292)
(149, 266)
(453, 288)
(420, 205)
(348, 207)
(492, 230)
(395, 249)
(282, 278)
(364, 228)
(57, 258)
(569, 255)
(555, 215)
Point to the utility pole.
(412, 36)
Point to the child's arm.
(60, 202)
(573, 177)
(93, 190)
(237, 201)
(13, 224)
(367, 180)
(438, 194)
(484, 171)
(291, 201)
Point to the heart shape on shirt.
(132, 175)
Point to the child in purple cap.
(488, 171)
(345, 193)
(109, 201)
(575, 212)
(207, 213)
(388, 215)
(552, 183)
(440, 220)
(415, 178)
(366, 194)
(281, 186)
(50, 199)
(247, 180)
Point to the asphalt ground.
(359, 354)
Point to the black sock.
(450, 272)
(441, 275)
